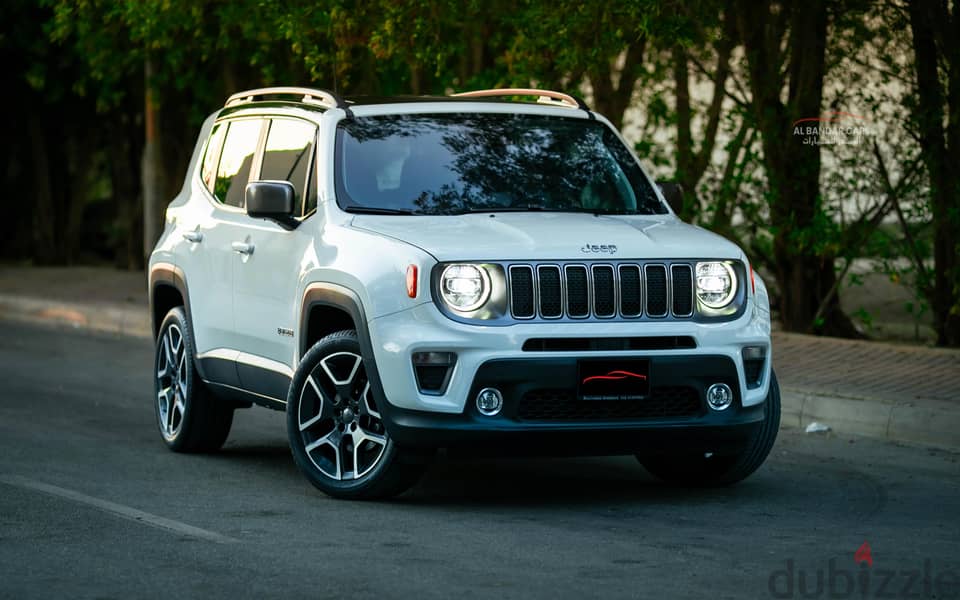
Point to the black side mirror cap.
(271, 200)
(673, 194)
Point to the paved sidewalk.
(94, 298)
(896, 392)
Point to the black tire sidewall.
(725, 470)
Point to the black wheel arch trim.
(165, 274)
(345, 299)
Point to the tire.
(723, 470)
(190, 419)
(335, 429)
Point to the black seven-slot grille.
(602, 291)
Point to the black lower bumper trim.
(461, 431)
(567, 426)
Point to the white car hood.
(550, 236)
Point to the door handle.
(242, 247)
(193, 236)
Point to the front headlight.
(465, 288)
(716, 284)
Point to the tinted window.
(212, 155)
(448, 164)
(288, 155)
(233, 174)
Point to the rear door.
(266, 280)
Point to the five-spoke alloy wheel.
(172, 381)
(189, 418)
(336, 432)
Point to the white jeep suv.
(476, 272)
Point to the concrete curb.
(104, 317)
(917, 421)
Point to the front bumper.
(395, 337)
(494, 357)
(673, 418)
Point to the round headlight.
(716, 284)
(465, 287)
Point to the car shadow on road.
(518, 482)
(562, 481)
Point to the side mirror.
(271, 200)
(673, 193)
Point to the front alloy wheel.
(336, 430)
(343, 436)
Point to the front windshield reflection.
(450, 164)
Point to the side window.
(288, 157)
(239, 146)
(212, 156)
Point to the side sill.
(235, 394)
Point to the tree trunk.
(126, 195)
(804, 271)
(612, 100)
(684, 172)
(691, 164)
(152, 166)
(76, 194)
(44, 210)
(939, 154)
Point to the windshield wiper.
(534, 208)
(492, 209)
(374, 210)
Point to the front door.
(266, 278)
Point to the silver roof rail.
(543, 96)
(305, 95)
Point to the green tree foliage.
(705, 89)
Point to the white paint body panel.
(239, 302)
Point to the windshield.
(460, 163)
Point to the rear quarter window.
(211, 157)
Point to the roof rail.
(306, 95)
(543, 96)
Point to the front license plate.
(613, 379)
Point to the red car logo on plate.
(615, 376)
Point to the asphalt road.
(92, 505)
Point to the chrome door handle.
(242, 247)
(193, 236)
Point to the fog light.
(754, 352)
(489, 401)
(719, 396)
